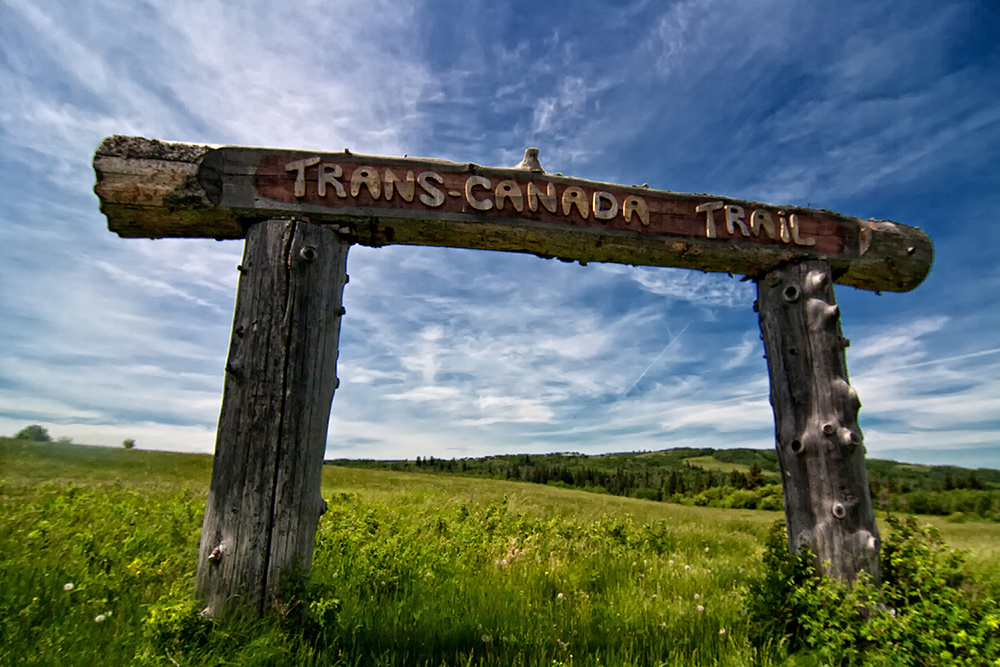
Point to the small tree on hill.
(128, 443)
(35, 432)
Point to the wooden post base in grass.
(264, 503)
(820, 446)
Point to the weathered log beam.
(820, 445)
(156, 189)
(264, 502)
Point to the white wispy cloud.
(461, 352)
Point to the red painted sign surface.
(497, 195)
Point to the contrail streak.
(653, 363)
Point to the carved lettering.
(368, 177)
(734, 218)
(433, 196)
(785, 237)
(574, 196)
(548, 200)
(405, 188)
(709, 208)
(761, 219)
(328, 175)
(600, 199)
(478, 204)
(515, 196)
(300, 178)
(793, 223)
(636, 205)
(512, 191)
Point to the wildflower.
(560, 597)
(486, 639)
(655, 596)
(687, 567)
(663, 625)
(427, 576)
(722, 632)
(697, 597)
(670, 563)
(634, 563)
(99, 618)
(706, 549)
(700, 608)
(67, 587)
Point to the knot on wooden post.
(827, 500)
(530, 161)
(265, 500)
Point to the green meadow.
(98, 549)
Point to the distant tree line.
(752, 483)
(677, 482)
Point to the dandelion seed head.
(486, 639)
(706, 549)
(560, 597)
(67, 587)
(722, 631)
(670, 563)
(700, 608)
(100, 618)
(687, 567)
(697, 597)
(634, 563)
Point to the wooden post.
(819, 443)
(264, 503)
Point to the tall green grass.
(408, 570)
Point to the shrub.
(35, 432)
(128, 443)
(928, 611)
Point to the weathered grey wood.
(159, 189)
(820, 446)
(264, 503)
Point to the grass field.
(98, 550)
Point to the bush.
(928, 610)
(35, 432)
(128, 443)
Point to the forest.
(725, 478)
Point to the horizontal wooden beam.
(155, 189)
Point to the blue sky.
(887, 110)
